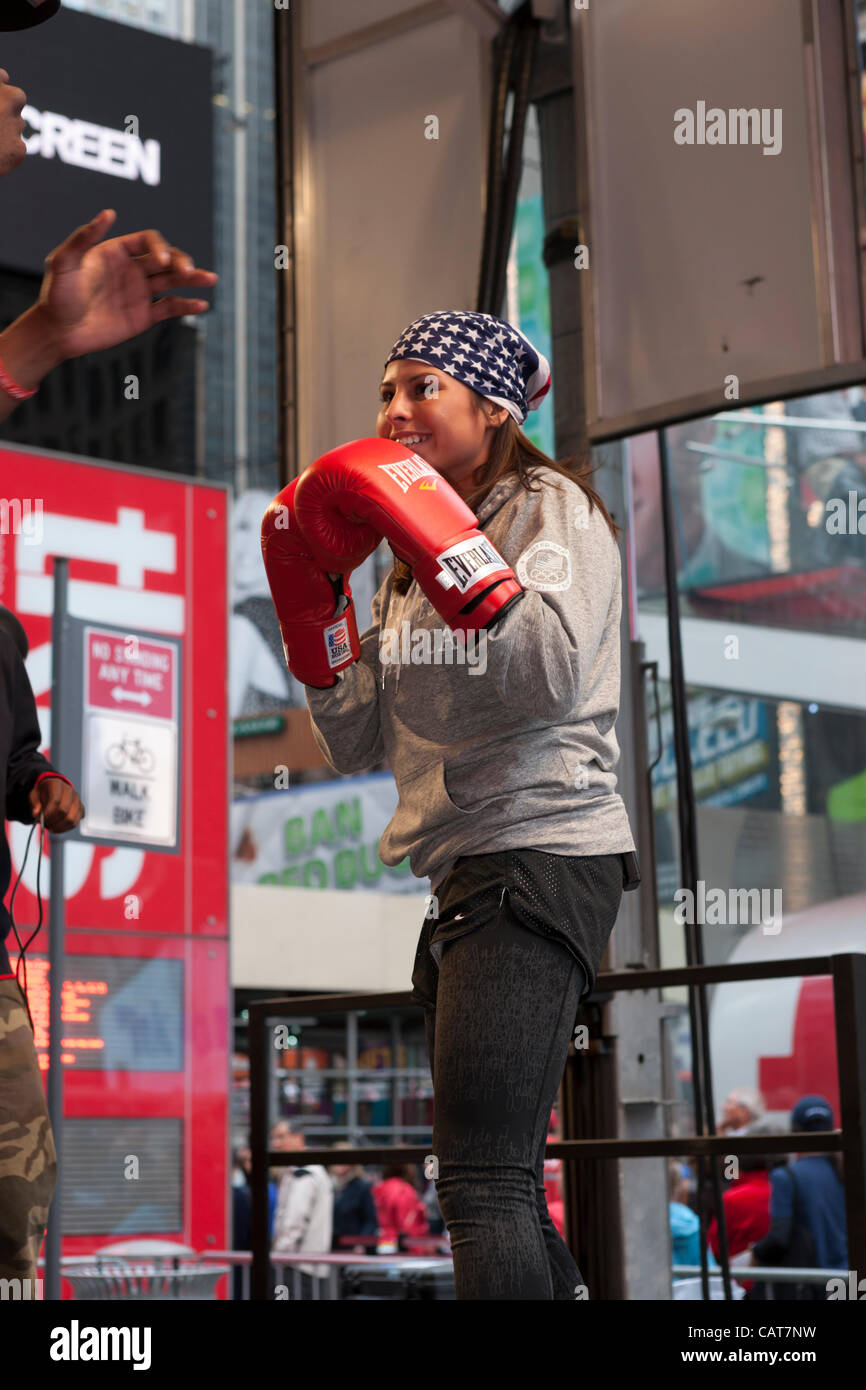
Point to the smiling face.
(453, 435)
(12, 148)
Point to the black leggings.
(497, 1040)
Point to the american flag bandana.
(483, 352)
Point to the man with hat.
(807, 1207)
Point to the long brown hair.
(512, 452)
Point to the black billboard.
(117, 117)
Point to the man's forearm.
(28, 352)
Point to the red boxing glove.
(315, 612)
(379, 483)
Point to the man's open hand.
(96, 294)
(60, 802)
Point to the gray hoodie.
(506, 741)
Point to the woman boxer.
(507, 789)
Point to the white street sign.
(130, 778)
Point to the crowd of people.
(780, 1210)
(347, 1209)
(340, 1208)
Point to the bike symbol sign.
(130, 753)
(129, 771)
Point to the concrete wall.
(296, 939)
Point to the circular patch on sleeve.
(546, 566)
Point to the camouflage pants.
(28, 1162)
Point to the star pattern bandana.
(483, 352)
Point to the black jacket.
(20, 763)
(354, 1212)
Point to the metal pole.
(56, 938)
(241, 265)
(396, 1081)
(687, 818)
(284, 97)
(260, 1069)
(352, 1069)
(849, 1007)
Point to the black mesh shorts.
(573, 899)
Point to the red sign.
(147, 555)
(130, 674)
(150, 552)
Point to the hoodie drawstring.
(400, 629)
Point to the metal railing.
(848, 971)
(767, 1274)
(329, 1287)
(289, 1282)
(288, 1270)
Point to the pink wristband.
(12, 388)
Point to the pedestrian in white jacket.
(304, 1215)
